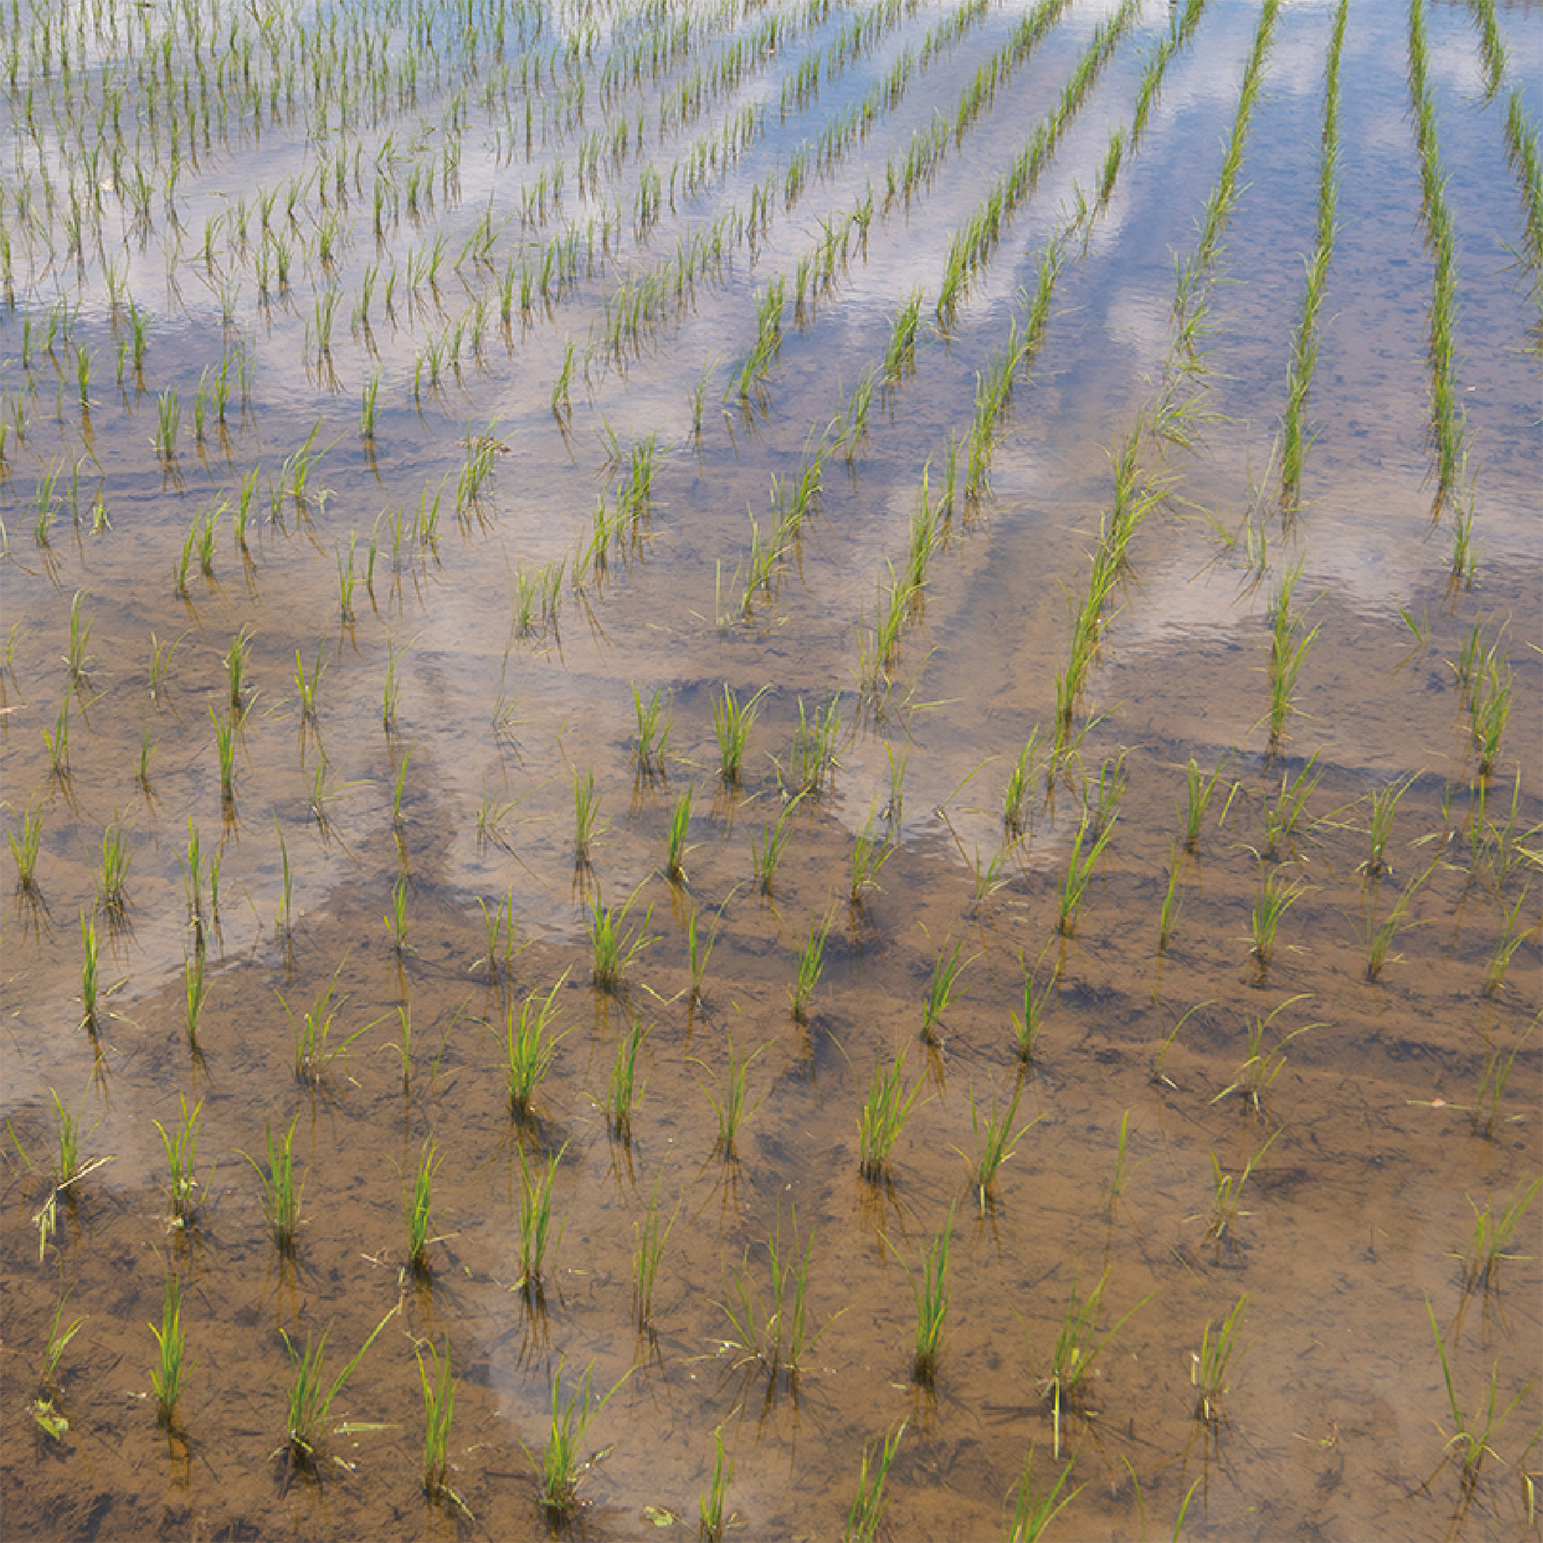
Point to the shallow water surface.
(409, 396)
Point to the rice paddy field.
(771, 770)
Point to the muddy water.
(1376, 1136)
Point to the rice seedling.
(47, 1417)
(26, 842)
(368, 408)
(181, 1145)
(1492, 1235)
(534, 1238)
(76, 660)
(168, 418)
(561, 1469)
(648, 1253)
(1490, 711)
(732, 722)
(58, 742)
(867, 1511)
(767, 849)
(729, 1096)
(417, 1208)
(1511, 939)
(614, 946)
(194, 995)
(1168, 913)
(1274, 897)
(1017, 813)
(225, 752)
(621, 1098)
(1208, 1366)
(308, 1399)
(1200, 789)
(1033, 1513)
(1087, 847)
(1076, 1350)
(112, 896)
(1473, 1434)
(1384, 804)
(812, 759)
(698, 953)
(315, 1049)
(941, 989)
(773, 1331)
(531, 1046)
(870, 851)
(1227, 1201)
(1484, 1114)
(586, 817)
(810, 963)
(713, 1522)
(653, 733)
(439, 1384)
(1379, 938)
(1263, 1065)
(675, 839)
(1282, 817)
(168, 1378)
(281, 1192)
(306, 684)
(931, 1294)
(235, 669)
(1289, 645)
(882, 1118)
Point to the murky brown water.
(1377, 1136)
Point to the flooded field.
(771, 771)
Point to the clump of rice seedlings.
(534, 1238)
(870, 851)
(1282, 818)
(613, 944)
(194, 995)
(112, 878)
(309, 1399)
(1017, 812)
(1473, 1434)
(181, 1144)
(622, 1096)
(941, 989)
(169, 1376)
(315, 1050)
(225, 751)
(1103, 806)
(1274, 897)
(91, 992)
(730, 1098)
(1028, 1024)
(235, 669)
(653, 733)
(26, 842)
(1263, 1065)
(45, 1414)
(698, 953)
(773, 1331)
(1124, 1169)
(810, 963)
(1199, 790)
(1076, 1350)
(1492, 1235)
(714, 1519)
(306, 684)
(862, 1524)
(1208, 1366)
(1484, 1113)
(1168, 913)
(675, 840)
(76, 660)
(1289, 644)
(417, 1208)
(882, 1118)
(1490, 710)
(586, 817)
(1379, 939)
(1512, 938)
(561, 1467)
(766, 852)
(281, 1192)
(812, 760)
(1384, 804)
(58, 742)
(732, 724)
(532, 1047)
(1087, 847)
(396, 918)
(648, 1253)
(439, 1385)
(931, 1294)
(1033, 1513)
(1227, 1201)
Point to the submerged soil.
(1329, 1176)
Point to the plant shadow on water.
(782, 750)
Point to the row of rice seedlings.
(1447, 425)
(1492, 47)
(1521, 138)
(1304, 346)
